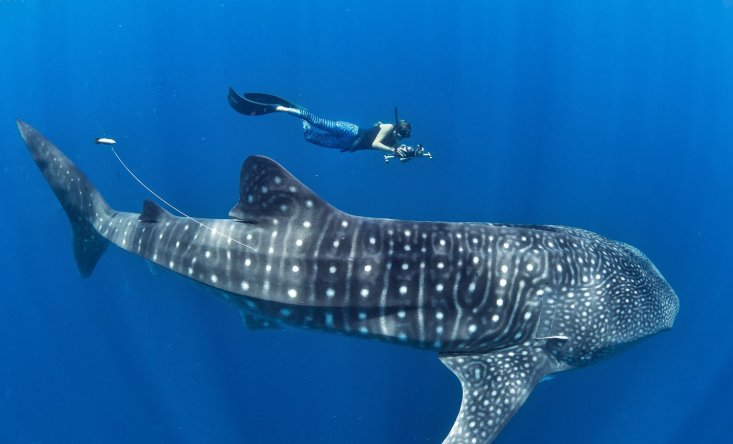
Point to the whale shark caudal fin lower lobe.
(81, 201)
(495, 385)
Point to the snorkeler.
(333, 133)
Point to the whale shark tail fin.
(81, 201)
(495, 385)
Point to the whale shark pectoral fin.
(268, 191)
(495, 385)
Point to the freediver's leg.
(343, 135)
(333, 134)
(331, 126)
(317, 138)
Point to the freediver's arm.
(386, 129)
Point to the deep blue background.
(615, 116)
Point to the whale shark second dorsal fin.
(154, 213)
(268, 191)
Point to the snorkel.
(401, 127)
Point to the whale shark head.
(631, 301)
(643, 291)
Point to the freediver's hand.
(402, 151)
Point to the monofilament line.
(213, 230)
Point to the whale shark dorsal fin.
(154, 213)
(495, 385)
(268, 191)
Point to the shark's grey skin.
(503, 305)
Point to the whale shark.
(503, 306)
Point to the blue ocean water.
(610, 116)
